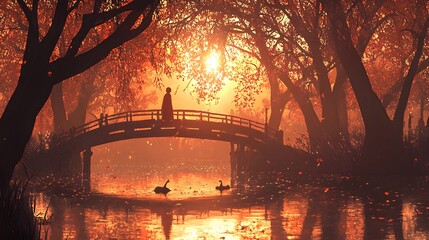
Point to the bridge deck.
(186, 123)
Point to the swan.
(164, 189)
(221, 187)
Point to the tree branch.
(367, 31)
(370, 105)
(412, 71)
(32, 42)
(25, 9)
(396, 87)
(365, 35)
(94, 19)
(73, 7)
(100, 18)
(58, 22)
(285, 97)
(61, 68)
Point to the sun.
(212, 63)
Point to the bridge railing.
(195, 115)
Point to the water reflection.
(383, 215)
(195, 210)
(184, 183)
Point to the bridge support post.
(67, 168)
(87, 169)
(233, 159)
(240, 160)
(244, 158)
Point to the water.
(123, 206)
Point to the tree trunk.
(78, 116)
(38, 74)
(62, 120)
(421, 122)
(343, 118)
(276, 114)
(276, 111)
(383, 147)
(277, 105)
(330, 118)
(58, 109)
(340, 96)
(278, 102)
(17, 121)
(383, 151)
(310, 117)
(377, 123)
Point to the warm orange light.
(212, 63)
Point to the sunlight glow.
(212, 63)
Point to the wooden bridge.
(185, 123)
(253, 144)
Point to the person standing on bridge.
(167, 106)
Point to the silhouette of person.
(167, 106)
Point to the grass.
(17, 220)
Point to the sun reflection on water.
(125, 207)
(182, 186)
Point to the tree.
(112, 80)
(108, 85)
(40, 72)
(290, 40)
(229, 42)
(383, 146)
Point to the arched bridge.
(252, 143)
(185, 123)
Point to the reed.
(17, 220)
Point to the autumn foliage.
(334, 67)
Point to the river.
(122, 205)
